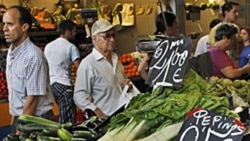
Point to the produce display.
(203, 5)
(3, 82)
(40, 129)
(224, 86)
(130, 66)
(153, 116)
(73, 73)
(43, 18)
(163, 110)
(3, 86)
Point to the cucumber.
(23, 136)
(54, 139)
(29, 139)
(78, 139)
(43, 138)
(34, 135)
(85, 134)
(30, 127)
(11, 137)
(50, 131)
(81, 126)
(64, 134)
(24, 119)
(47, 138)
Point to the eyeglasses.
(107, 36)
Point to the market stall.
(161, 114)
(168, 112)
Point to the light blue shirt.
(60, 54)
(98, 83)
(27, 74)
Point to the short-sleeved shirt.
(233, 51)
(60, 54)
(202, 45)
(27, 74)
(244, 56)
(98, 83)
(220, 60)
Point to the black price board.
(168, 64)
(204, 125)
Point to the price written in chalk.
(169, 62)
(208, 126)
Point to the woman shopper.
(245, 36)
(223, 66)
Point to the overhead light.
(211, 1)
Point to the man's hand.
(100, 114)
(129, 83)
(18, 132)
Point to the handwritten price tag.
(204, 125)
(168, 65)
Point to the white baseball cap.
(102, 26)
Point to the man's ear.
(25, 27)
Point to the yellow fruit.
(140, 10)
(130, 11)
(46, 14)
(149, 10)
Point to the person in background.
(61, 53)
(172, 26)
(203, 43)
(27, 71)
(245, 36)
(223, 66)
(100, 76)
(230, 12)
(161, 32)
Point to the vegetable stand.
(153, 116)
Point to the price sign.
(168, 64)
(204, 125)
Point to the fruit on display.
(33, 11)
(130, 66)
(3, 86)
(149, 10)
(43, 18)
(140, 10)
(130, 11)
(215, 6)
(188, 5)
(58, 10)
(203, 6)
(57, 15)
(70, 15)
(73, 73)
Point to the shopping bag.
(127, 96)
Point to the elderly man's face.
(106, 41)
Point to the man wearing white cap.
(100, 76)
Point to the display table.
(5, 118)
